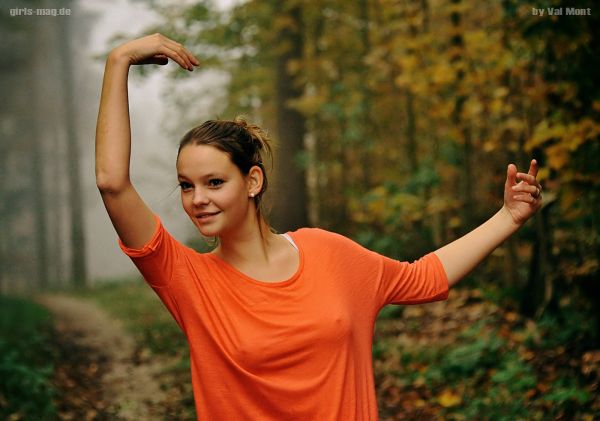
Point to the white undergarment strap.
(286, 235)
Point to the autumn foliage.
(412, 110)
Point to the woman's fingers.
(178, 57)
(526, 188)
(533, 168)
(511, 174)
(183, 53)
(528, 178)
(170, 49)
(525, 198)
(179, 53)
(187, 54)
(157, 49)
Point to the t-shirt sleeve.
(156, 259)
(390, 281)
(421, 281)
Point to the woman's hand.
(522, 199)
(155, 49)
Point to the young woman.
(279, 326)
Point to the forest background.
(394, 123)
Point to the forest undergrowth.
(465, 358)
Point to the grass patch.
(144, 316)
(26, 361)
(157, 335)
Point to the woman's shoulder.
(322, 236)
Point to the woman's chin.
(206, 232)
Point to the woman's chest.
(279, 330)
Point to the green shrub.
(26, 367)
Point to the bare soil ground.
(100, 376)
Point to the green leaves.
(26, 369)
(466, 358)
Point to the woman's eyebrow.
(212, 174)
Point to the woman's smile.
(207, 217)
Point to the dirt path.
(129, 390)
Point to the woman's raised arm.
(131, 217)
(521, 201)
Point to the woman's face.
(211, 183)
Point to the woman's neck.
(247, 245)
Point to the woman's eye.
(184, 185)
(215, 182)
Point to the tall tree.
(78, 247)
(463, 128)
(39, 191)
(290, 210)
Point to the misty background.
(41, 111)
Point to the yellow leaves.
(438, 204)
(371, 208)
(377, 206)
(409, 67)
(389, 208)
(589, 266)
(402, 81)
(567, 203)
(489, 145)
(511, 316)
(557, 156)
(570, 136)
(590, 363)
(496, 106)
(308, 104)
(472, 108)
(458, 7)
(281, 22)
(442, 74)
(408, 63)
(543, 173)
(476, 38)
(410, 204)
(500, 92)
(448, 398)
(294, 67)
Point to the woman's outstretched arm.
(132, 219)
(521, 201)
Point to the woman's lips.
(207, 217)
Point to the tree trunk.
(367, 142)
(78, 255)
(38, 183)
(540, 286)
(289, 210)
(466, 181)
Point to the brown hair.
(243, 142)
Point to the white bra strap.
(286, 235)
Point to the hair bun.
(257, 136)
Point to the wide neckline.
(270, 284)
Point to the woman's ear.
(255, 180)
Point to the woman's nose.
(200, 197)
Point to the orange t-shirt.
(299, 349)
